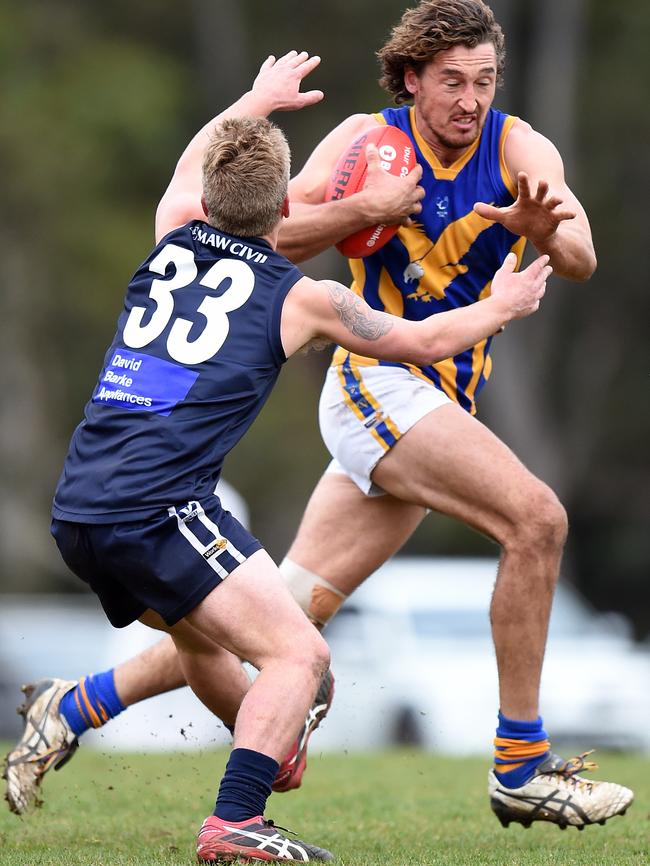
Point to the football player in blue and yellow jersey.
(209, 317)
(403, 437)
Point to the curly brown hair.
(433, 26)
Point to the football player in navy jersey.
(208, 319)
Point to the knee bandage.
(316, 596)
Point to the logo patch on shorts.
(217, 547)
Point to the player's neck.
(272, 237)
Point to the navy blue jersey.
(196, 354)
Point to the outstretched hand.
(279, 81)
(534, 217)
(521, 292)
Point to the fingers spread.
(542, 190)
(522, 185)
(562, 215)
(308, 64)
(311, 97)
(552, 202)
(288, 56)
(487, 211)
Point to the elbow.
(581, 269)
(590, 267)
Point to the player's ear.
(285, 207)
(203, 205)
(411, 80)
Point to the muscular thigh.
(450, 462)
(345, 535)
(252, 613)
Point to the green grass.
(399, 808)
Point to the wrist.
(546, 245)
(500, 307)
(362, 205)
(257, 104)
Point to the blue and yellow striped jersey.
(448, 257)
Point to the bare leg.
(153, 671)
(158, 669)
(450, 462)
(368, 531)
(252, 615)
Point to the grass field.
(400, 808)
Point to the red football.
(397, 156)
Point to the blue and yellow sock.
(92, 702)
(246, 785)
(519, 747)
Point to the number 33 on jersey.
(183, 318)
(196, 354)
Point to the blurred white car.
(412, 656)
(414, 663)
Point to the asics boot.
(558, 794)
(254, 839)
(47, 742)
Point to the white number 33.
(215, 309)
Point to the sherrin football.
(397, 156)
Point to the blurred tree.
(97, 102)
(86, 118)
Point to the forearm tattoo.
(356, 315)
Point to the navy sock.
(246, 785)
(520, 746)
(92, 702)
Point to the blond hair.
(245, 176)
(433, 26)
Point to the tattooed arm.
(328, 310)
(360, 319)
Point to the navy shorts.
(169, 562)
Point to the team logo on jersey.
(413, 271)
(442, 207)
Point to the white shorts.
(363, 411)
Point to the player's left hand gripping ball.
(397, 156)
